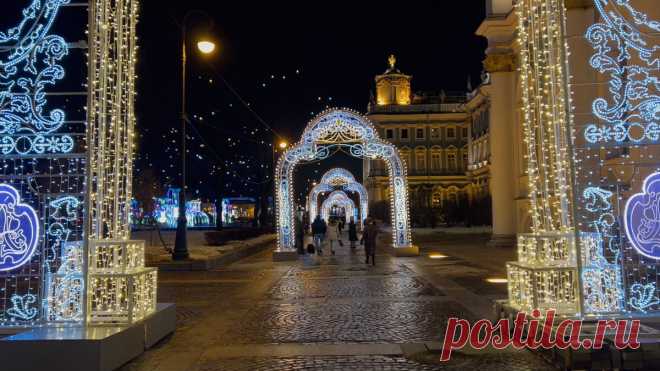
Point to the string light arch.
(353, 132)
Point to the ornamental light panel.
(66, 139)
(594, 191)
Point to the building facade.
(443, 138)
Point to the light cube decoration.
(121, 289)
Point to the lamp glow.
(205, 46)
(437, 256)
(497, 280)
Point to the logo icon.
(19, 229)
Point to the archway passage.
(356, 135)
(339, 178)
(338, 199)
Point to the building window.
(451, 161)
(404, 134)
(436, 162)
(389, 134)
(419, 134)
(435, 133)
(436, 199)
(451, 133)
(465, 160)
(421, 161)
(465, 133)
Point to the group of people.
(332, 233)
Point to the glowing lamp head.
(206, 46)
(283, 145)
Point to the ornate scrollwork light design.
(30, 64)
(338, 177)
(338, 199)
(344, 127)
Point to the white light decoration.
(42, 169)
(120, 288)
(617, 146)
(338, 178)
(338, 199)
(545, 275)
(353, 132)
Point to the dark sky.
(288, 62)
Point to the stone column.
(501, 92)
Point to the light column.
(500, 64)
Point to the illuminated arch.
(338, 177)
(339, 199)
(354, 133)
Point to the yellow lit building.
(443, 138)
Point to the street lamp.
(206, 47)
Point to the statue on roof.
(391, 60)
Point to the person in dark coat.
(300, 236)
(369, 236)
(352, 232)
(318, 230)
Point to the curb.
(243, 249)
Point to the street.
(330, 313)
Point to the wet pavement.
(325, 313)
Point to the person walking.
(318, 230)
(333, 234)
(352, 232)
(369, 236)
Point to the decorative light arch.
(338, 177)
(339, 199)
(348, 130)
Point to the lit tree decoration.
(347, 129)
(545, 275)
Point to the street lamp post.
(181, 241)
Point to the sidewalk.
(202, 256)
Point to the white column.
(500, 64)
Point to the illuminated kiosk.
(593, 160)
(338, 178)
(72, 280)
(355, 134)
(338, 199)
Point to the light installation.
(167, 211)
(65, 174)
(352, 132)
(343, 179)
(594, 247)
(338, 199)
(642, 218)
(616, 162)
(19, 229)
(545, 275)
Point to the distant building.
(443, 138)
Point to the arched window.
(436, 199)
(420, 159)
(436, 159)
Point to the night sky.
(287, 63)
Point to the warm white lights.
(205, 46)
(545, 275)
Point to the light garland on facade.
(616, 163)
(352, 131)
(545, 275)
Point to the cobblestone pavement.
(324, 313)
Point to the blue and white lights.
(19, 229)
